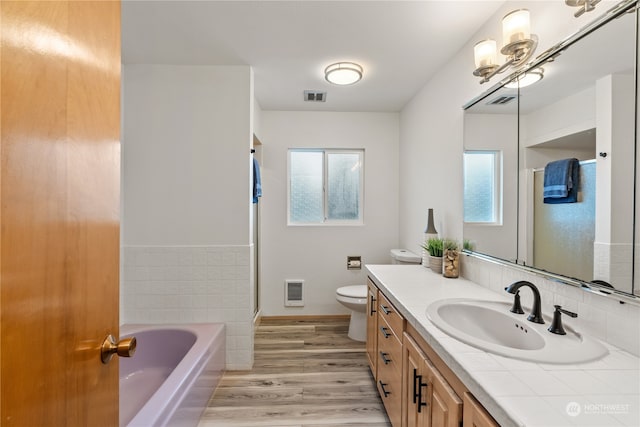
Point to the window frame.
(325, 194)
(497, 202)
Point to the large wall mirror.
(584, 108)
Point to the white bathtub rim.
(181, 377)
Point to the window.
(483, 187)
(325, 186)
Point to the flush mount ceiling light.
(343, 73)
(583, 5)
(526, 79)
(518, 46)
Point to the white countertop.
(605, 392)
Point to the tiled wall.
(602, 317)
(611, 262)
(192, 284)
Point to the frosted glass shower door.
(564, 233)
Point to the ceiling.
(400, 44)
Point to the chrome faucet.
(536, 312)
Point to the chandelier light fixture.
(518, 45)
(343, 73)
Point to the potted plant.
(450, 258)
(434, 247)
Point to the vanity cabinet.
(417, 388)
(389, 363)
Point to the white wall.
(187, 132)
(431, 156)
(187, 137)
(318, 254)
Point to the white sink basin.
(490, 326)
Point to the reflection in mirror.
(490, 188)
(583, 108)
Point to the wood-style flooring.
(307, 372)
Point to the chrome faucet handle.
(516, 307)
(556, 324)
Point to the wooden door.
(59, 213)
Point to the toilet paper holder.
(354, 262)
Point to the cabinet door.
(446, 406)
(474, 415)
(416, 393)
(372, 326)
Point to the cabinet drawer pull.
(385, 309)
(417, 390)
(384, 357)
(372, 305)
(385, 392)
(384, 332)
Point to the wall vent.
(293, 295)
(315, 96)
(502, 99)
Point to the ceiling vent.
(314, 96)
(502, 100)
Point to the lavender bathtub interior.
(172, 375)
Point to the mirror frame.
(550, 54)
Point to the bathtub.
(172, 374)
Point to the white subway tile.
(185, 257)
(200, 256)
(228, 258)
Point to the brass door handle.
(123, 348)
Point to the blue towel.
(561, 180)
(257, 184)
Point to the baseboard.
(309, 317)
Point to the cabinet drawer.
(388, 312)
(389, 349)
(389, 385)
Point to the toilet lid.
(356, 291)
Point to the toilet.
(355, 298)
(404, 256)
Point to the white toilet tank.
(403, 256)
